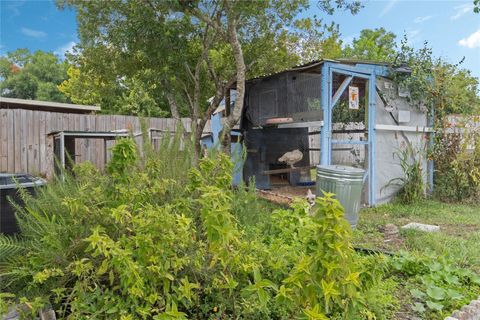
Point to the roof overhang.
(316, 64)
(14, 103)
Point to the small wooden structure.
(64, 146)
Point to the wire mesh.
(295, 95)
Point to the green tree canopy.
(436, 84)
(373, 45)
(185, 52)
(35, 75)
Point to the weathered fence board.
(26, 147)
(3, 141)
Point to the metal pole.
(371, 140)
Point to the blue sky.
(450, 27)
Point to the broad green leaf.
(436, 293)
(315, 314)
(451, 279)
(418, 307)
(454, 294)
(417, 293)
(434, 305)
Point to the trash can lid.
(341, 169)
(15, 180)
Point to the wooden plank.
(3, 141)
(99, 144)
(136, 126)
(71, 121)
(57, 121)
(64, 125)
(130, 123)
(17, 147)
(22, 127)
(29, 140)
(42, 143)
(110, 123)
(389, 127)
(11, 141)
(163, 124)
(36, 141)
(286, 170)
(82, 144)
(49, 163)
(121, 123)
(91, 152)
(79, 144)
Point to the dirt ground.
(285, 194)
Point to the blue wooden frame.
(364, 71)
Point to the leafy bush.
(457, 176)
(412, 185)
(156, 239)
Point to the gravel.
(468, 312)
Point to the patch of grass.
(458, 237)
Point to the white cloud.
(13, 7)
(33, 33)
(388, 7)
(413, 36)
(462, 10)
(422, 19)
(472, 41)
(67, 47)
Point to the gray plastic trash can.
(346, 183)
(9, 184)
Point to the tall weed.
(412, 185)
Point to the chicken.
(310, 197)
(291, 157)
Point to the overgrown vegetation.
(154, 238)
(449, 94)
(412, 185)
(457, 162)
(435, 272)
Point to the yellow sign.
(353, 98)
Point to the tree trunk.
(235, 115)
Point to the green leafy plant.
(412, 185)
(435, 283)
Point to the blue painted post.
(330, 114)
(325, 102)
(371, 140)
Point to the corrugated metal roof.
(316, 63)
(14, 103)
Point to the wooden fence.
(25, 145)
